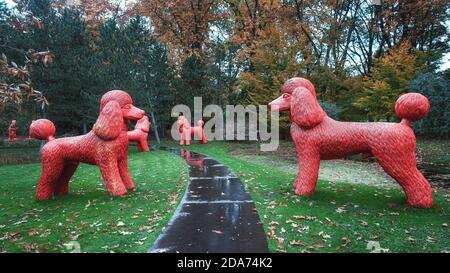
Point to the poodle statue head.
(183, 123)
(299, 98)
(116, 109)
(129, 111)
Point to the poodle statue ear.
(305, 110)
(109, 123)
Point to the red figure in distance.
(317, 136)
(186, 131)
(106, 146)
(12, 131)
(140, 134)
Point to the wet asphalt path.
(216, 214)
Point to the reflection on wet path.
(216, 214)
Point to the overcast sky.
(445, 60)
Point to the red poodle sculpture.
(12, 131)
(140, 134)
(186, 131)
(106, 146)
(317, 136)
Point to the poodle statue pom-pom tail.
(318, 137)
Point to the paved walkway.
(216, 214)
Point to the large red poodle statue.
(186, 131)
(317, 136)
(106, 146)
(12, 131)
(140, 134)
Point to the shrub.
(437, 90)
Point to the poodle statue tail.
(411, 107)
(42, 129)
(200, 123)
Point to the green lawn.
(339, 217)
(88, 214)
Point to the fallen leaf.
(296, 243)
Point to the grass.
(88, 215)
(339, 217)
(434, 151)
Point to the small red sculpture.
(12, 131)
(186, 131)
(106, 146)
(317, 136)
(140, 134)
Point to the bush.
(437, 90)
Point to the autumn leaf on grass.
(321, 234)
(272, 204)
(341, 210)
(346, 241)
(329, 222)
(271, 233)
(299, 217)
(28, 247)
(296, 243)
(363, 223)
(274, 223)
(121, 232)
(33, 232)
(317, 245)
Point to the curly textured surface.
(317, 136)
(140, 134)
(186, 131)
(106, 146)
(12, 131)
(42, 129)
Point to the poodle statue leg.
(51, 172)
(187, 136)
(143, 145)
(202, 136)
(308, 173)
(125, 175)
(62, 185)
(111, 176)
(181, 138)
(417, 189)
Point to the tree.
(182, 24)
(389, 78)
(15, 81)
(132, 59)
(437, 89)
